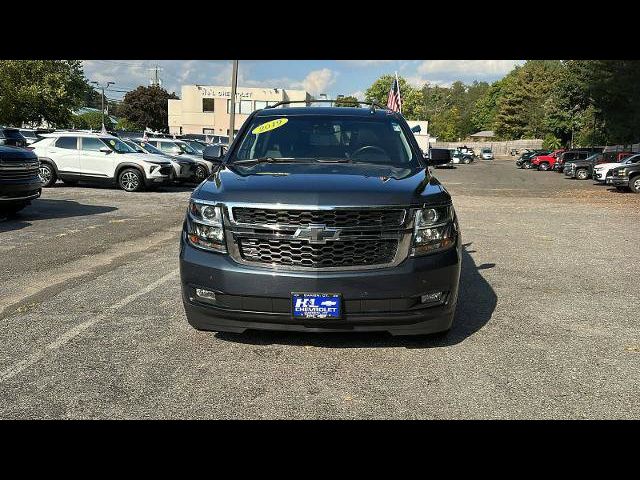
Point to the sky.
(332, 77)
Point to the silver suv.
(179, 147)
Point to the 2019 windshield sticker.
(268, 126)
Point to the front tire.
(47, 175)
(130, 180)
(201, 173)
(582, 174)
(634, 184)
(544, 166)
(466, 160)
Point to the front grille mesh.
(340, 253)
(330, 218)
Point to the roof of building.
(484, 133)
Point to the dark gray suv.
(322, 219)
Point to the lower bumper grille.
(339, 253)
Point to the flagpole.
(399, 96)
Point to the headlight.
(623, 173)
(434, 231)
(204, 227)
(153, 168)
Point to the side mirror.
(416, 129)
(213, 153)
(105, 150)
(439, 156)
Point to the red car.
(546, 162)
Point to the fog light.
(206, 294)
(431, 297)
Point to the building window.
(209, 131)
(208, 104)
(229, 106)
(244, 107)
(260, 104)
(271, 103)
(235, 132)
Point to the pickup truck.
(19, 178)
(322, 219)
(546, 162)
(627, 177)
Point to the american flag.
(394, 102)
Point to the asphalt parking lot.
(92, 325)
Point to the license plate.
(316, 305)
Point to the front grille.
(339, 253)
(166, 170)
(330, 218)
(18, 174)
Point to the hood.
(146, 157)
(323, 184)
(608, 165)
(154, 158)
(11, 152)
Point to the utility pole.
(232, 112)
(103, 87)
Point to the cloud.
(358, 94)
(317, 81)
(365, 63)
(468, 68)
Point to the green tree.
(412, 101)
(521, 106)
(93, 121)
(348, 101)
(147, 107)
(36, 91)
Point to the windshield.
(186, 148)
(134, 146)
(150, 148)
(198, 147)
(593, 157)
(630, 160)
(379, 140)
(117, 145)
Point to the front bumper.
(385, 299)
(18, 192)
(620, 181)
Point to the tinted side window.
(166, 146)
(70, 143)
(92, 144)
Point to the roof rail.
(373, 105)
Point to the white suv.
(93, 157)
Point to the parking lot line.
(34, 358)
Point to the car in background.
(12, 136)
(180, 147)
(183, 168)
(574, 154)
(546, 162)
(463, 155)
(197, 145)
(486, 154)
(524, 161)
(31, 135)
(602, 172)
(627, 176)
(96, 158)
(19, 178)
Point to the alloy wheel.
(45, 174)
(129, 181)
(636, 185)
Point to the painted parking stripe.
(63, 339)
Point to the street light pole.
(232, 112)
(103, 87)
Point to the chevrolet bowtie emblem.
(318, 234)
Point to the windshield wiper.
(268, 160)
